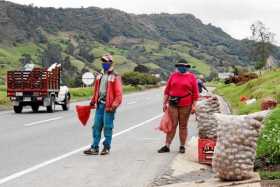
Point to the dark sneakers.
(182, 149)
(91, 151)
(105, 151)
(164, 149)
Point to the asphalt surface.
(45, 150)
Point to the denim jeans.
(102, 121)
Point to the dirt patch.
(167, 178)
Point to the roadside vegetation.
(78, 94)
(4, 101)
(266, 85)
(268, 149)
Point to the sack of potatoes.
(235, 150)
(207, 123)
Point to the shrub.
(136, 78)
(269, 142)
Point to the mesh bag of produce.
(207, 123)
(235, 150)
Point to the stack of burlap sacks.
(237, 136)
(207, 123)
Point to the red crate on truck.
(206, 150)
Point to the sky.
(233, 16)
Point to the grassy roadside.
(86, 93)
(4, 100)
(268, 85)
(268, 145)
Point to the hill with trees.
(77, 37)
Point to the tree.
(25, 59)
(263, 46)
(212, 76)
(39, 36)
(141, 68)
(136, 78)
(70, 48)
(51, 55)
(85, 51)
(235, 70)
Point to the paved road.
(45, 150)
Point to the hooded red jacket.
(114, 91)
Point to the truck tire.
(35, 108)
(66, 104)
(18, 109)
(51, 107)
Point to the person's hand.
(92, 104)
(112, 109)
(164, 107)
(193, 110)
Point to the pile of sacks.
(235, 150)
(268, 103)
(207, 123)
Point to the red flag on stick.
(83, 113)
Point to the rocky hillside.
(83, 34)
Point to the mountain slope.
(156, 40)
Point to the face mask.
(182, 69)
(106, 66)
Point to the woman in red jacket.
(180, 97)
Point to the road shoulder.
(186, 171)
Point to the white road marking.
(43, 121)
(46, 163)
(6, 112)
(131, 103)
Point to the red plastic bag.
(166, 122)
(83, 113)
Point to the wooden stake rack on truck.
(37, 87)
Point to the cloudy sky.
(233, 16)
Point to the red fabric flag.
(83, 113)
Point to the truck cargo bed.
(38, 80)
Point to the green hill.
(77, 37)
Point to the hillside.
(266, 85)
(81, 36)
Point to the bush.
(141, 69)
(269, 142)
(136, 78)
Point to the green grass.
(268, 85)
(86, 93)
(152, 66)
(269, 141)
(270, 175)
(9, 57)
(77, 63)
(99, 50)
(121, 64)
(80, 93)
(4, 100)
(150, 45)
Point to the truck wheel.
(66, 104)
(51, 107)
(35, 108)
(18, 109)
